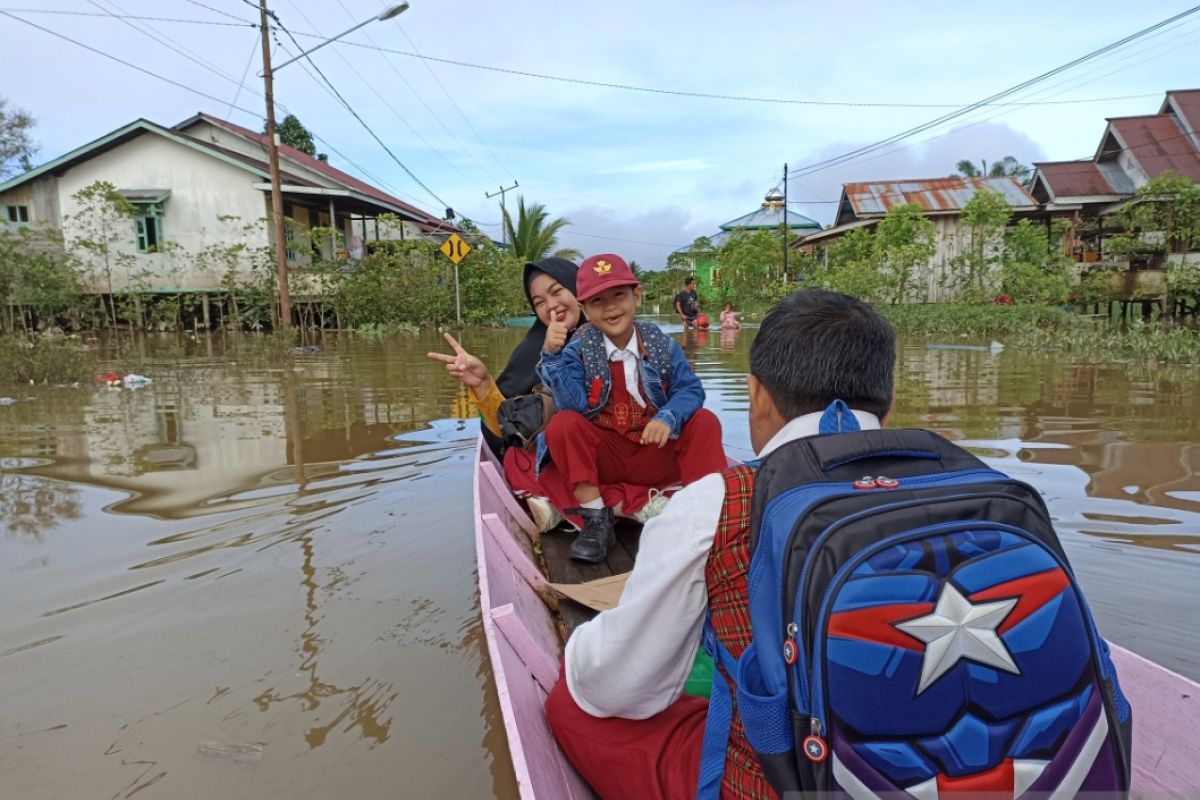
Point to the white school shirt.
(629, 358)
(632, 661)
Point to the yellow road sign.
(455, 248)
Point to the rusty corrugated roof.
(1075, 179)
(936, 195)
(1158, 144)
(1186, 104)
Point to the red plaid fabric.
(725, 575)
(621, 413)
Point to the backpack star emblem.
(957, 629)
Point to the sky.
(635, 173)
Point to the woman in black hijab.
(550, 288)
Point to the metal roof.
(935, 195)
(1187, 105)
(769, 216)
(1157, 144)
(1078, 179)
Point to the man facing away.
(617, 711)
(687, 305)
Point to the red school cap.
(601, 272)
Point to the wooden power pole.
(281, 267)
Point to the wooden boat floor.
(556, 553)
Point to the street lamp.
(383, 16)
(285, 307)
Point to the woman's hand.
(465, 367)
(556, 337)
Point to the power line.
(988, 117)
(123, 62)
(371, 85)
(246, 71)
(170, 43)
(221, 12)
(700, 95)
(457, 108)
(579, 81)
(866, 149)
(304, 67)
(361, 121)
(205, 95)
(141, 18)
(391, 64)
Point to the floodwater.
(254, 577)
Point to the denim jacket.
(573, 374)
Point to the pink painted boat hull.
(525, 651)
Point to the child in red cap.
(629, 404)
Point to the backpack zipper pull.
(790, 653)
(865, 482)
(814, 746)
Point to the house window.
(16, 215)
(148, 227)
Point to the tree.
(293, 133)
(1007, 166)
(532, 237)
(984, 216)
(904, 242)
(16, 146)
(1035, 267)
(102, 223)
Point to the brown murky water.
(255, 578)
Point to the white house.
(206, 182)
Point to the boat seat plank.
(506, 586)
(538, 656)
(509, 542)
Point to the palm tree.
(533, 237)
(1007, 166)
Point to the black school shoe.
(598, 534)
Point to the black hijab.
(519, 376)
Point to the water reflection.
(33, 506)
(276, 551)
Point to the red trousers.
(656, 758)
(585, 453)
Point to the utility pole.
(503, 210)
(281, 268)
(786, 229)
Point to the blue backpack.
(916, 630)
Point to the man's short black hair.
(816, 346)
(689, 280)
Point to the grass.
(1050, 329)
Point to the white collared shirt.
(632, 661)
(630, 356)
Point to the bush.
(56, 359)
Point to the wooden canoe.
(524, 625)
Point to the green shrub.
(43, 360)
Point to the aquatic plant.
(43, 359)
